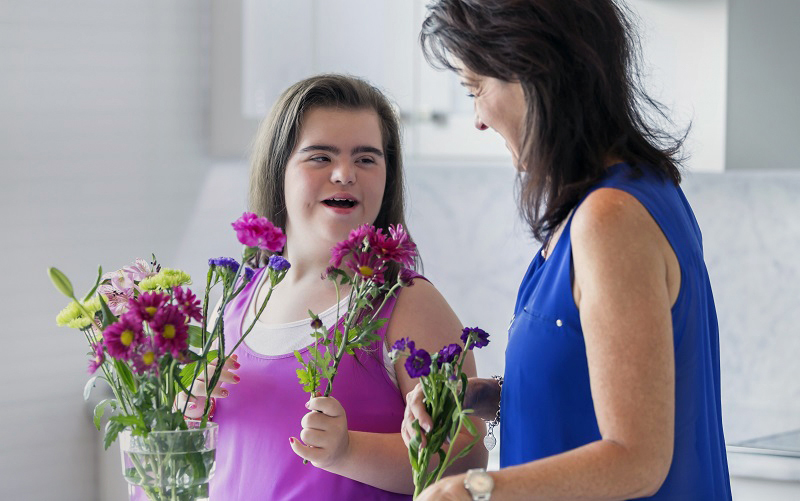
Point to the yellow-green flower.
(167, 278)
(73, 316)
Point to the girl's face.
(498, 105)
(335, 177)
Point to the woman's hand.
(447, 489)
(482, 396)
(324, 433)
(197, 403)
(415, 411)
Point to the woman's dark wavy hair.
(577, 62)
(280, 130)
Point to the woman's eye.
(471, 96)
(320, 159)
(366, 160)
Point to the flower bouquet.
(138, 323)
(361, 262)
(444, 385)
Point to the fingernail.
(236, 365)
(291, 440)
(236, 378)
(427, 428)
(192, 406)
(307, 406)
(224, 393)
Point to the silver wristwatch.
(479, 484)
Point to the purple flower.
(97, 359)
(449, 353)
(225, 262)
(354, 243)
(123, 336)
(145, 358)
(278, 263)
(368, 266)
(188, 303)
(397, 246)
(254, 231)
(406, 277)
(474, 337)
(418, 364)
(148, 304)
(400, 344)
(171, 332)
(248, 274)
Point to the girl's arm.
(625, 285)
(381, 459)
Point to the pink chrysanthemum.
(98, 357)
(188, 303)
(368, 266)
(397, 246)
(353, 244)
(254, 231)
(123, 336)
(145, 358)
(171, 331)
(148, 304)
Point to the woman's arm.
(381, 459)
(624, 287)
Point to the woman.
(326, 160)
(611, 387)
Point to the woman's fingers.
(415, 411)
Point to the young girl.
(327, 159)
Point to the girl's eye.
(366, 160)
(320, 158)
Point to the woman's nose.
(479, 124)
(343, 173)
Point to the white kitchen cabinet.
(283, 42)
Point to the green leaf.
(470, 426)
(96, 284)
(88, 388)
(61, 282)
(299, 357)
(112, 430)
(125, 375)
(196, 336)
(100, 409)
(128, 420)
(108, 317)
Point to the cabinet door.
(283, 42)
(444, 128)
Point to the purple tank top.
(254, 458)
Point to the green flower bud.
(61, 282)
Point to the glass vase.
(170, 465)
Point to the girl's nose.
(343, 173)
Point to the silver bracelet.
(489, 441)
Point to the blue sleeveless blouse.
(547, 406)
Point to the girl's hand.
(415, 411)
(324, 433)
(447, 489)
(197, 403)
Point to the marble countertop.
(775, 457)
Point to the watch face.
(481, 483)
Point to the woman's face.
(499, 105)
(335, 177)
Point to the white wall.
(102, 150)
